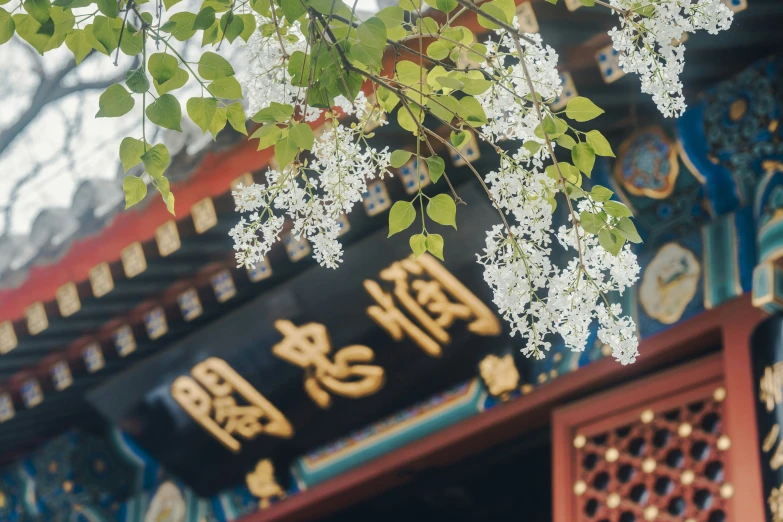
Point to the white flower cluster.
(509, 117)
(650, 43)
(313, 196)
(539, 298)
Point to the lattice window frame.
(575, 425)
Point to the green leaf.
(218, 121)
(439, 49)
(410, 120)
(165, 112)
(27, 28)
(236, 117)
(583, 157)
(7, 26)
(409, 73)
(232, 26)
(401, 217)
(587, 3)
(106, 31)
(169, 3)
(590, 222)
(627, 229)
(581, 109)
(292, 9)
(77, 42)
(155, 160)
(372, 41)
(435, 245)
(267, 135)
(92, 41)
(446, 6)
(600, 194)
(442, 209)
(169, 200)
(532, 146)
(162, 67)
(248, 26)
(418, 243)
(302, 134)
(275, 113)
(285, 150)
(436, 166)
(443, 106)
(183, 26)
(599, 143)
(38, 9)
(459, 139)
(132, 41)
(392, 16)
(179, 79)
(400, 157)
(201, 111)
(109, 8)
(115, 101)
(204, 20)
(471, 110)
(492, 9)
(131, 150)
(135, 189)
(387, 99)
(610, 242)
(410, 5)
(566, 141)
(137, 81)
(227, 88)
(211, 35)
(475, 86)
(617, 209)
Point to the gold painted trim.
(313, 466)
(101, 280)
(133, 260)
(68, 301)
(8, 339)
(167, 238)
(37, 321)
(204, 215)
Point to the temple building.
(145, 378)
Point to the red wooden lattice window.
(653, 450)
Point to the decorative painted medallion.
(647, 164)
(167, 505)
(669, 283)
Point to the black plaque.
(141, 403)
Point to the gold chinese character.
(262, 484)
(500, 374)
(435, 303)
(775, 502)
(308, 346)
(771, 386)
(216, 409)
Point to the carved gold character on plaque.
(210, 397)
(262, 484)
(308, 346)
(775, 503)
(771, 386)
(433, 297)
(500, 374)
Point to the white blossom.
(650, 43)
